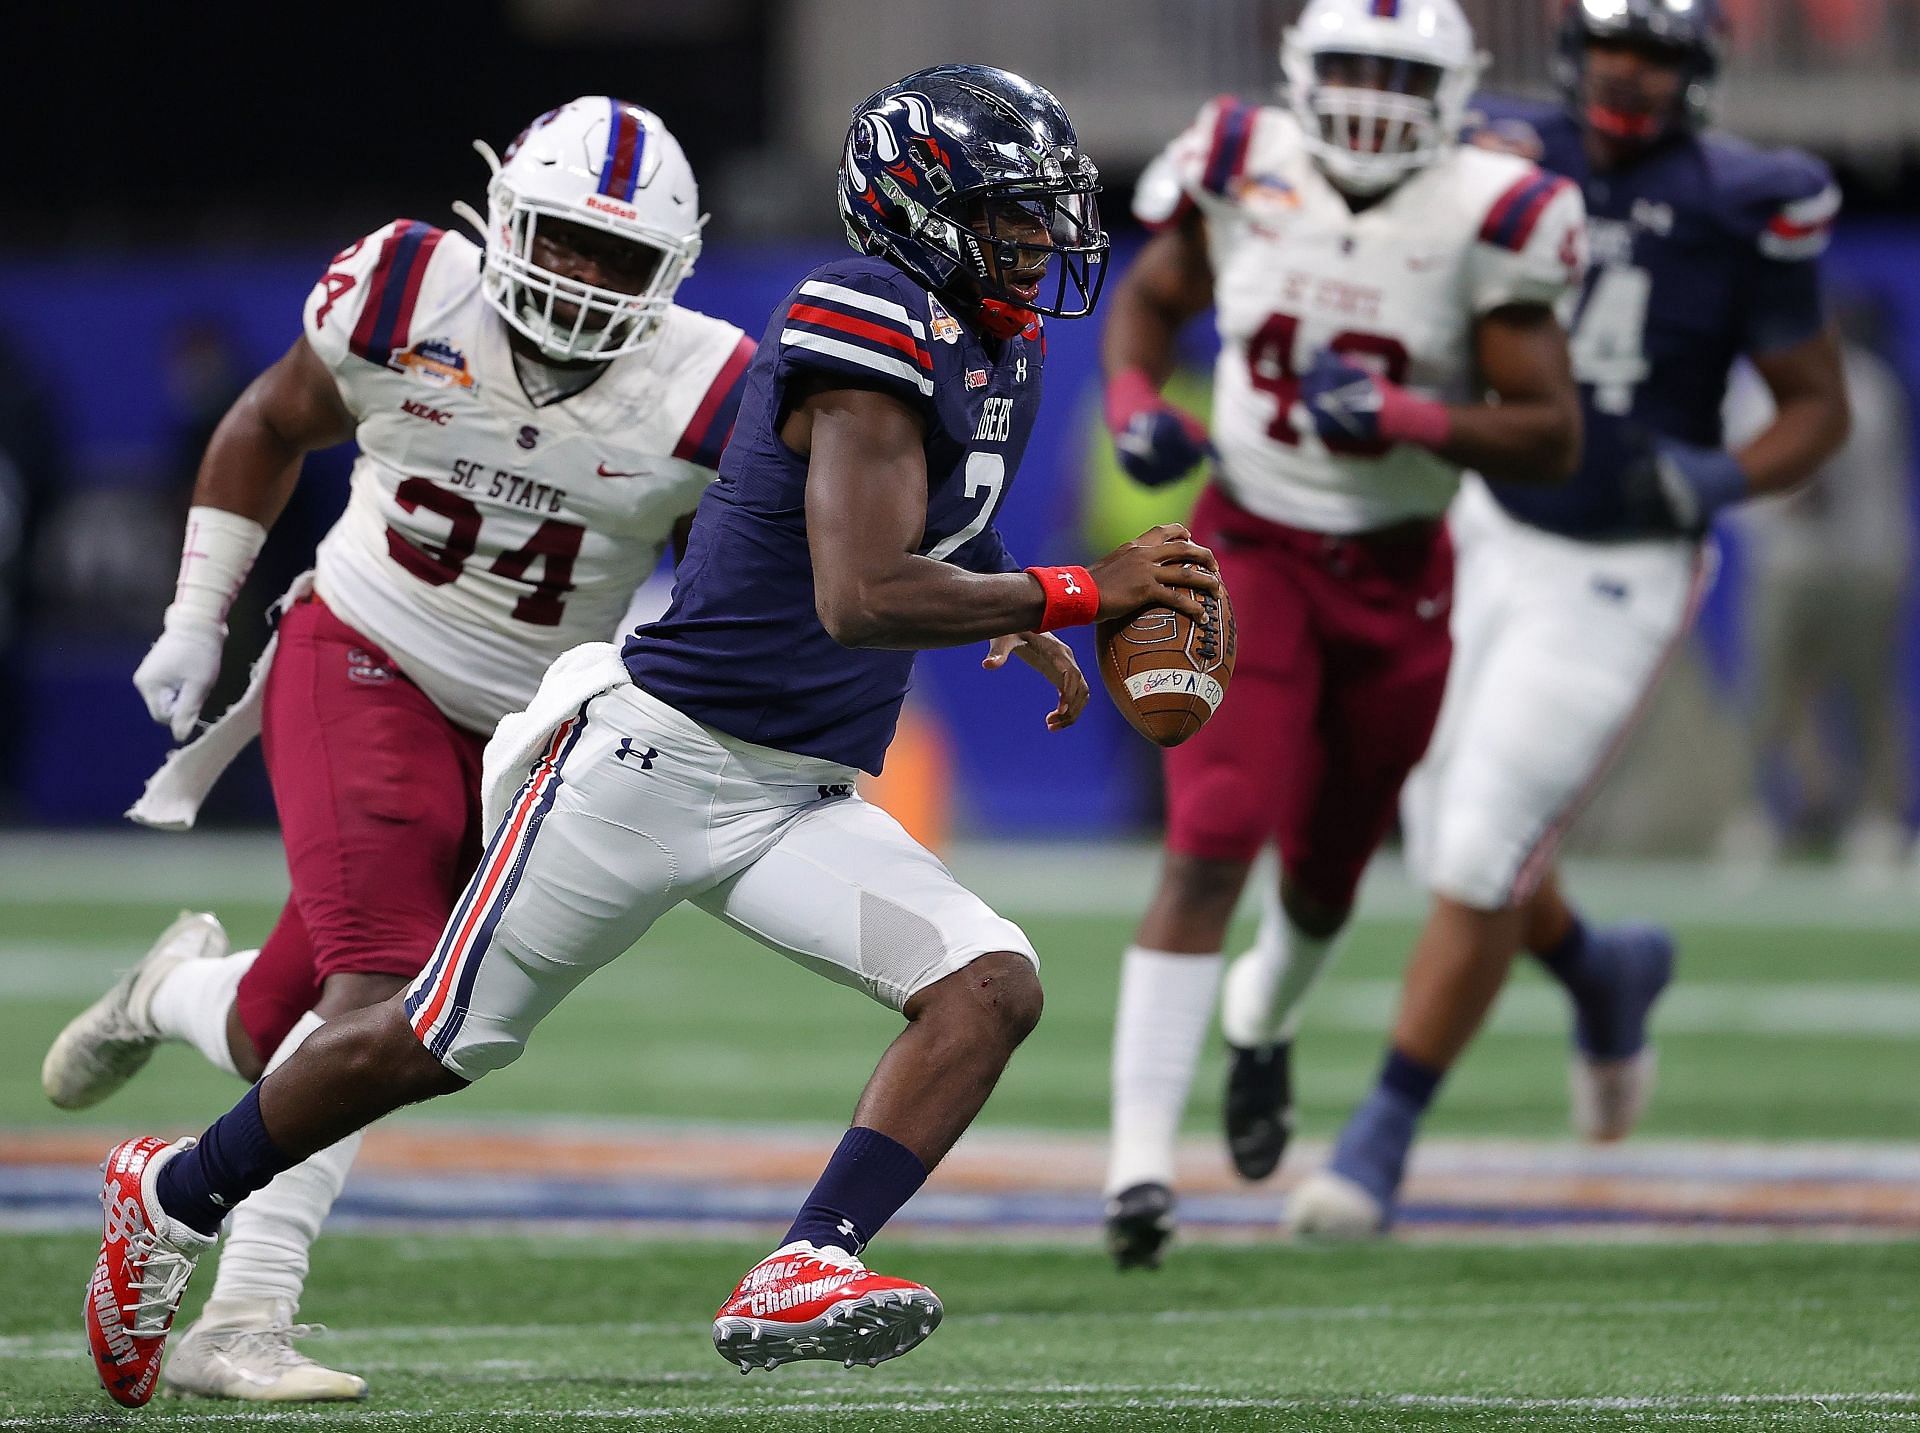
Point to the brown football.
(1167, 673)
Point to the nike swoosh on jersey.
(602, 471)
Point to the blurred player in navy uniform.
(1569, 599)
(713, 759)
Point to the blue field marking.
(44, 1197)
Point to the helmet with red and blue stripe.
(1380, 87)
(1688, 34)
(605, 164)
(971, 180)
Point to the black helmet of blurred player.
(971, 180)
(1683, 37)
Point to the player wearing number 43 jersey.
(1385, 302)
(535, 419)
(1570, 599)
(713, 759)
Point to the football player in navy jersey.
(1569, 599)
(714, 759)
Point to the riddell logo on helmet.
(612, 206)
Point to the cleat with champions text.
(805, 1302)
(145, 1260)
(1139, 1224)
(105, 1045)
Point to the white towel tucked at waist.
(576, 676)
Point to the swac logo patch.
(976, 378)
(440, 363)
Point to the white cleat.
(1609, 1096)
(105, 1045)
(1331, 1206)
(244, 1349)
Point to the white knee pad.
(1474, 860)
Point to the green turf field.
(458, 1333)
(1778, 1033)
(1794, 1030)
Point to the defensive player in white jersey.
(1385, 303)
(1571, 600)
(536, 418)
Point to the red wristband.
(1072, 599)
(1408, 418)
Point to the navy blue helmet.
(971, 180)
(1687, 33)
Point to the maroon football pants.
(1343, 651)
(379, 802)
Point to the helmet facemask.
(1620, 110)
(1034, 247)
(1371, 119)
(604, 323)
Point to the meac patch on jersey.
(485, 535)
(1399, 286)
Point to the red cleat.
(145, 1259)
(804, 1302)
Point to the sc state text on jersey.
(509, 488)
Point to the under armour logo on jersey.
(627, 749)
(1020, 369)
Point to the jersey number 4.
(1275, 369)
(558, 543)
(1608, 343)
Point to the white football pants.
(632, 808)
(1557, 647)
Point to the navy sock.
(234, 1157)
(1409, 1079)
(1567, 961)
(863, 1186)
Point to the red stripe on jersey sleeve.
(896, 339)
(714, 405)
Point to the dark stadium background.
(179, 176)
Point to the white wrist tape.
(215, 559)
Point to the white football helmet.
(1380, 86)
(607, 164)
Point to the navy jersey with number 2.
(1703, 250)
(741, 648)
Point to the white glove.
(179, 670)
